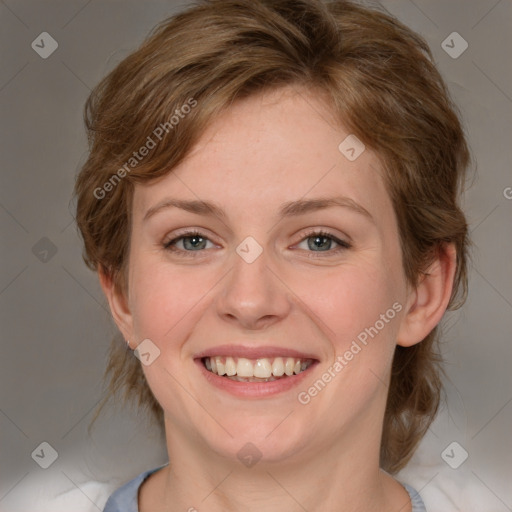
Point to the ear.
(118, 303)
(428, 301)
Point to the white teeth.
(262, 369)
(230, 366)
(278, 367)
(244, 368)
(220, 366)
(288, 366)
(252, 370)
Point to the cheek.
(164, 298)
(350, 300)
(350, 303)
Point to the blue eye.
(317, 242)
(192, 242)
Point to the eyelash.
(343, 245)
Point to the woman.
(271, 204)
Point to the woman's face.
(296, 264)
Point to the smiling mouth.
(256, 370)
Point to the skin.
(264, 151)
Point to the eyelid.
(343, 238)
(187, 233)
(343, 245)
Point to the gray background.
(55, 324)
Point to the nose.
(253, 296)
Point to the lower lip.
(254, 389)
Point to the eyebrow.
(289, 209)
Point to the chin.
(259, 440)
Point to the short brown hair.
(379, 79)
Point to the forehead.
(268, 149)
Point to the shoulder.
(125, 499)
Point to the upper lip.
(258, 352)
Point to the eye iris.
(195, 241)
(317, 244)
